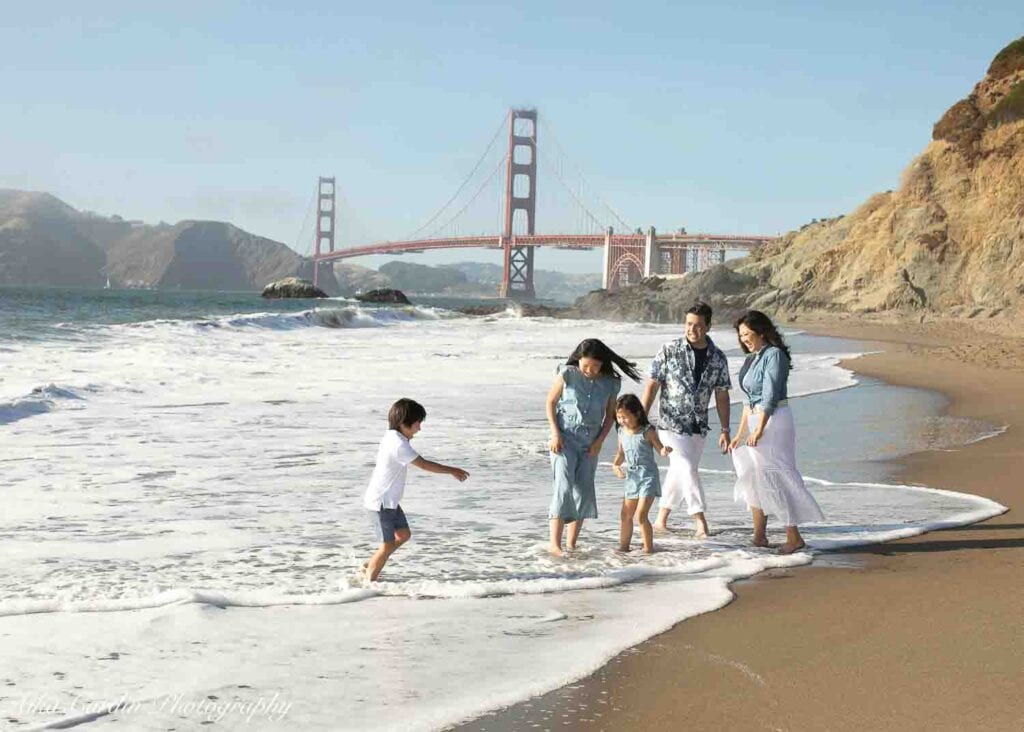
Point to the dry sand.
(919, 634)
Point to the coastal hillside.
(462, 279)
(44, 241)
(949, 241)
(40, 245)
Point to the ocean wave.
(350, 316)
(40, 400)
(215, 598)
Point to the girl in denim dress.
(580, 411)
(637, 443)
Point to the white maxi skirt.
(767, 477)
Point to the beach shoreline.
(920, 633)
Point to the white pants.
(682, 482)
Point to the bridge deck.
(558, 241)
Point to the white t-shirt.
(387, 484)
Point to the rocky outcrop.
(949, 241)
(386, 296)
(658, 300)
(292, 287)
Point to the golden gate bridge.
(628, 255)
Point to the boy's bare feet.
(624, 548)
(555, 551)
(788, 548)
(760, 541)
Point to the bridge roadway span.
(665, 242)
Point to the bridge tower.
(324, 241)
(521, 178)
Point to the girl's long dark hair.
(764, 327)
(632, 404)
(593, 348)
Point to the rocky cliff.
(43, 241)
(949, 241)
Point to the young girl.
(580, 410)
(637, 443)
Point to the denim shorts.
(386, 521)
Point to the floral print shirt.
(683, 404)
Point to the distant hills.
(464, 279)
(44, 241)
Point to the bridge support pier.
(606, 268)
(651, 253)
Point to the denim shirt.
(763, 378)
(683, 404)
(584, 401)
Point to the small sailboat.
(107, 286)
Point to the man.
(687, 371)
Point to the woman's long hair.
(764, 327)
(593, 348)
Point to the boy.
(387, 484)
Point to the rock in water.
(395, 297)
(292, 287)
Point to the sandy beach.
(919, 634)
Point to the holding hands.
(665, 450)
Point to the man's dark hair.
(702, 309)
(405, 413)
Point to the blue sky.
(743, 117)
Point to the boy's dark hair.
(702, 309)
(632, 404)
(405, 413)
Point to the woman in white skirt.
(765, 461)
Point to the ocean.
(182, 530)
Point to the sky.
(745, 118)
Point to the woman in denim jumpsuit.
(580, 411)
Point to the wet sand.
(924, 633)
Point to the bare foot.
(555, 551)
(660, 529)
(760, 541)
(650, 551)
(624, 549)
(700, 534)
(791, 548)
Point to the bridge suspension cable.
(549, 133)
(415, 232)
(306, 249)
(487, 181)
